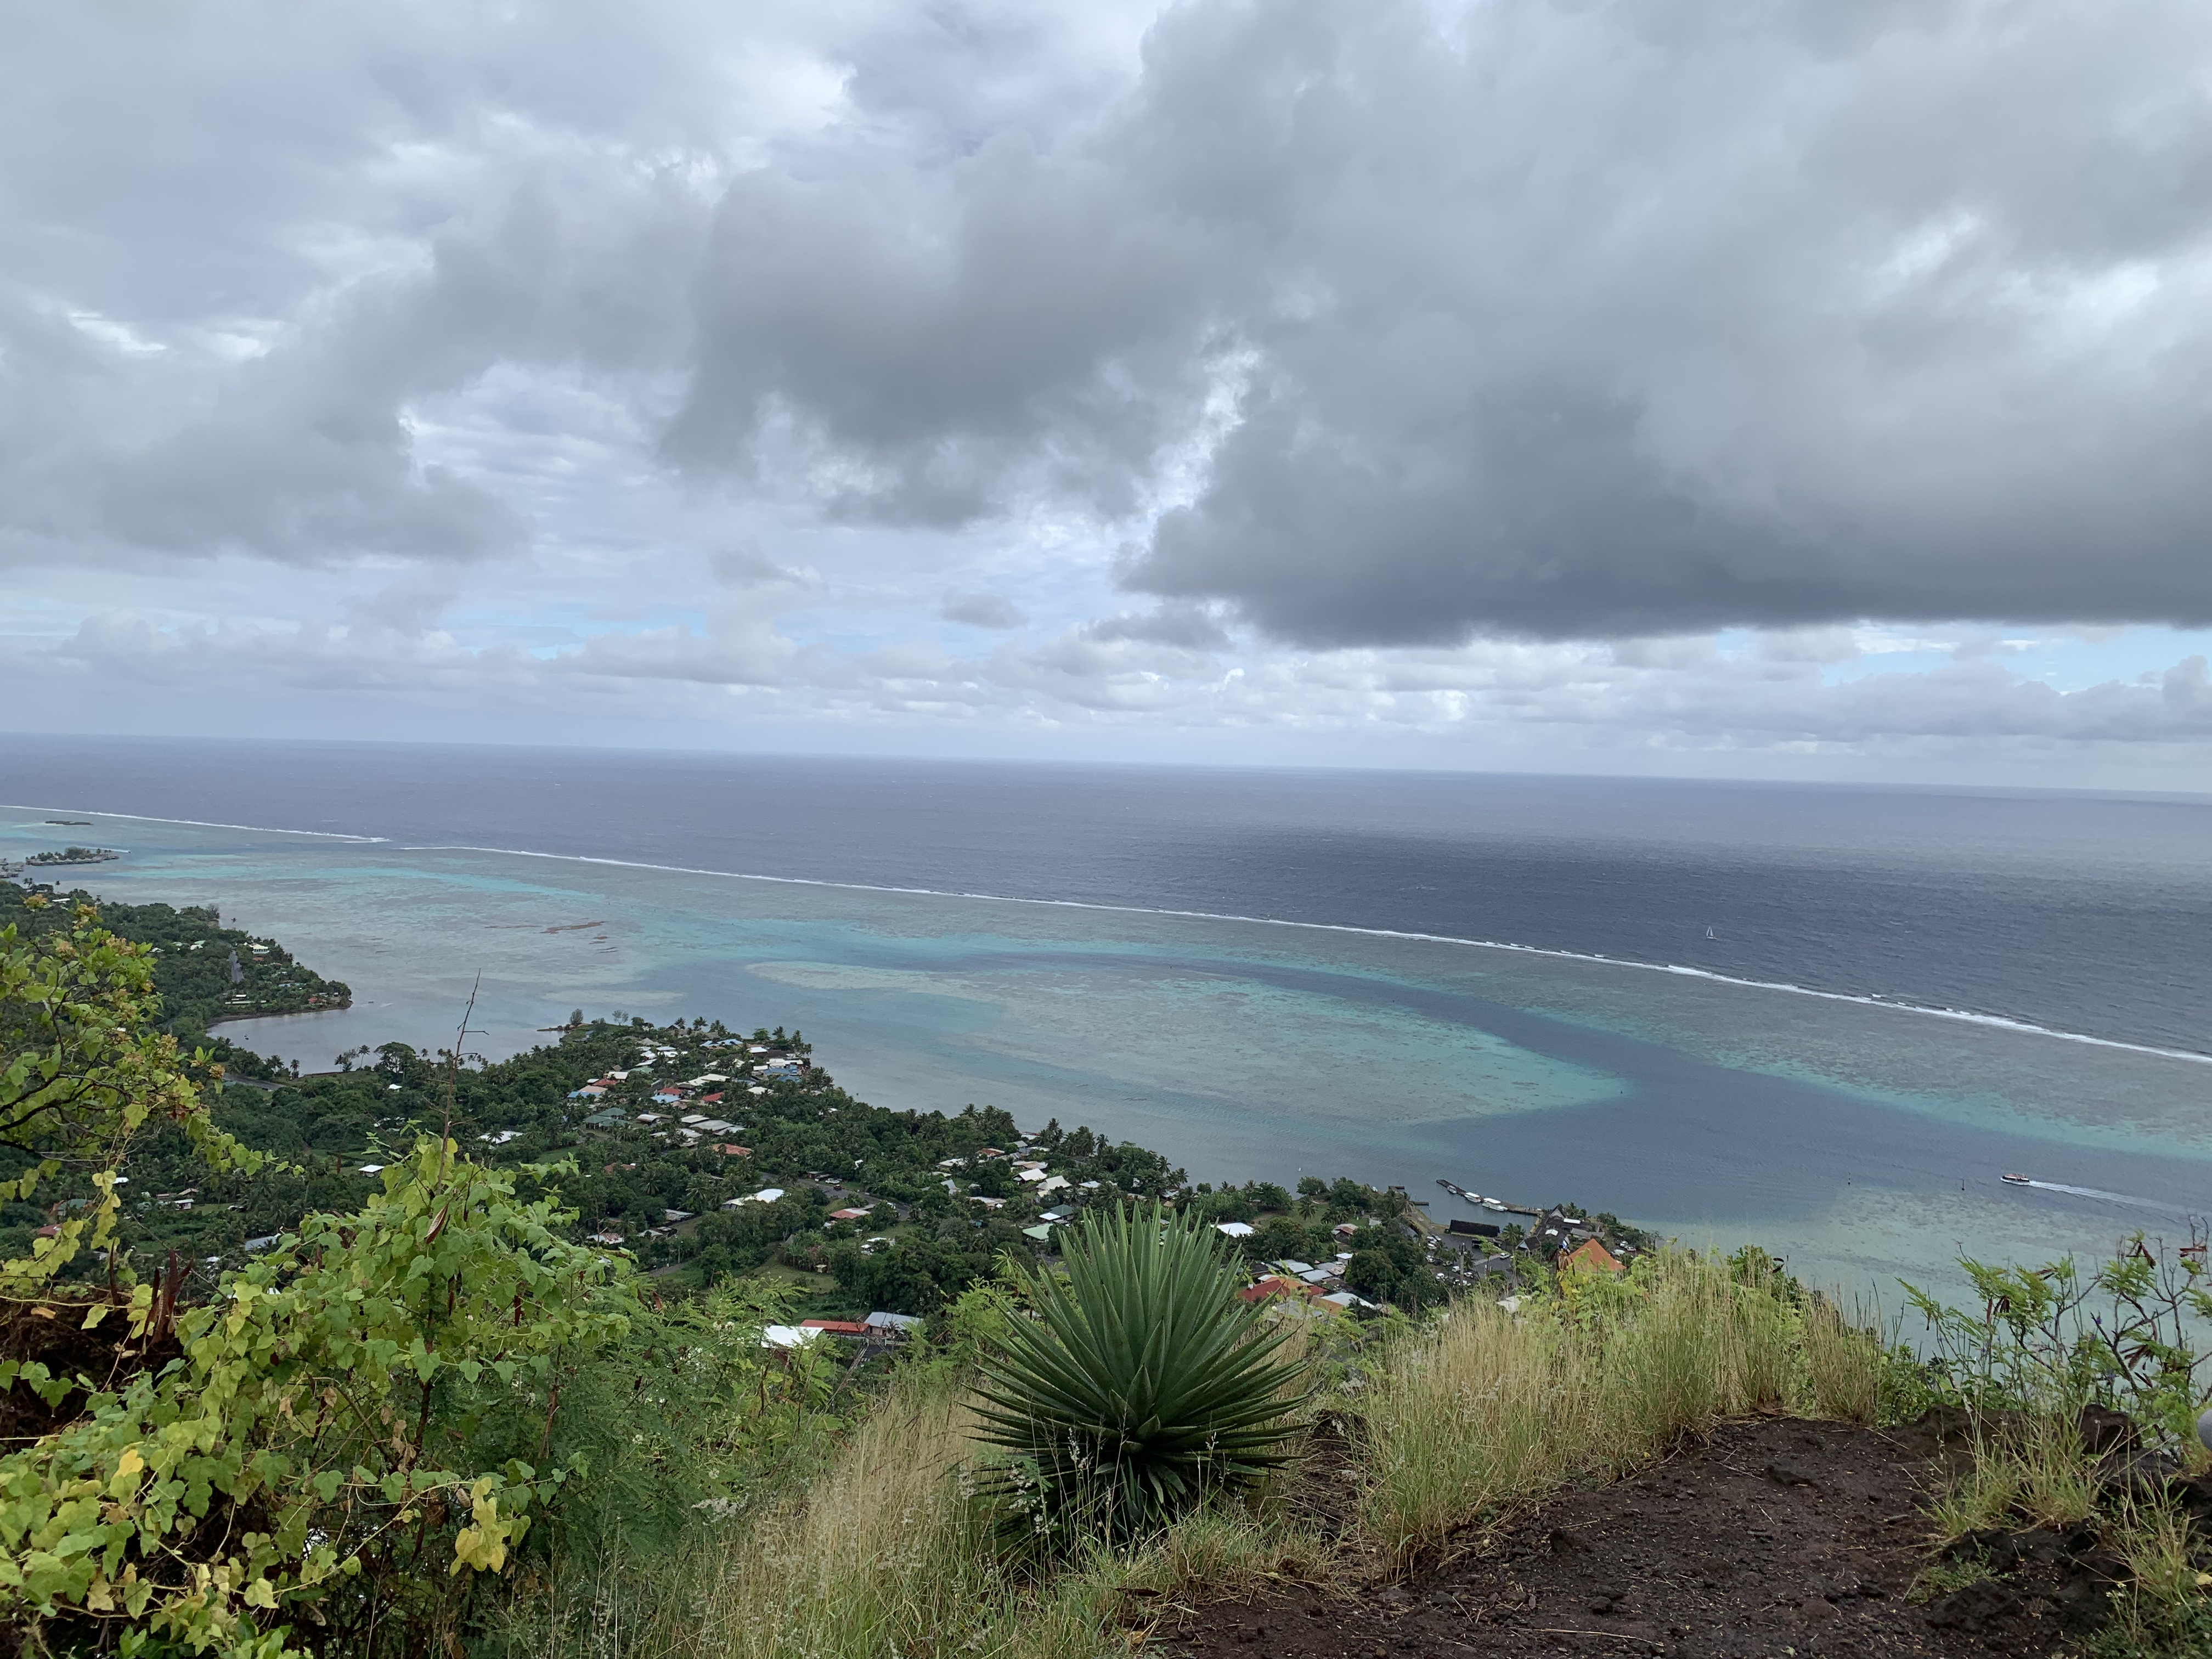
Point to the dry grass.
(882, 1554)
(1488, 1410)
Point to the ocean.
(1826, 1018)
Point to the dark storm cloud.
(1551, 319)
(1569, 319)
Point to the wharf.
(1497, 1204)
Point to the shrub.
(1142, 1384)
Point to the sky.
(1708, 387)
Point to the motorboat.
(2018, 1180)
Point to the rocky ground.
(1776, 1537)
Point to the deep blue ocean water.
(2083, 913)
(1865, 1140)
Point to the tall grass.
(1487, 1409)
(883, 1554)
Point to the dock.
(1482, 1203)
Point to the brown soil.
(1774, 1537)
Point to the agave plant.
(1144, 1383)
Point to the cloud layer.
(1267, 364)
(1557, 319)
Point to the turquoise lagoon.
(1864, 1142)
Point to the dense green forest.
(204, 971)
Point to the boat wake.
(2109, 1198)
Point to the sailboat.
(1709, 932)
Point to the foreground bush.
(362, 1425)
(1143, 1384)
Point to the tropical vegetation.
(433, 1410)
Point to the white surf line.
(197, 824)
(2114, 1198)
(1997, 1021)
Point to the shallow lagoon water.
(1865, 1143)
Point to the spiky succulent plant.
(1143, 1384)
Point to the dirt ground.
(1776, 1537)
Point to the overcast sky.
(1715, 387)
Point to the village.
(1330, 1250)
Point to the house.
(1053, 1184)
(1345, 1299)
(730, 1149)
(891, 1327)
(1589, 1256)
(787, 1336)
(606, 1238)
(589, 1092)
(1063, 1213)
(1030, 1172)
(607, 1120)
(1478, 1229)
(1235, 1228)
(834, 1326)
(675, 1215)
(1043, 1235)
(1276, 1284)
(988, 1203)
(848, 1214)
(765, 1195)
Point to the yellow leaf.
(260, 1593)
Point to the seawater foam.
(196, 824)
(1997, 1022)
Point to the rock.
(1561, 1542)
(1973, 1608)
(2103, 1430)
(2142, 1475)
(1785, 1477)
